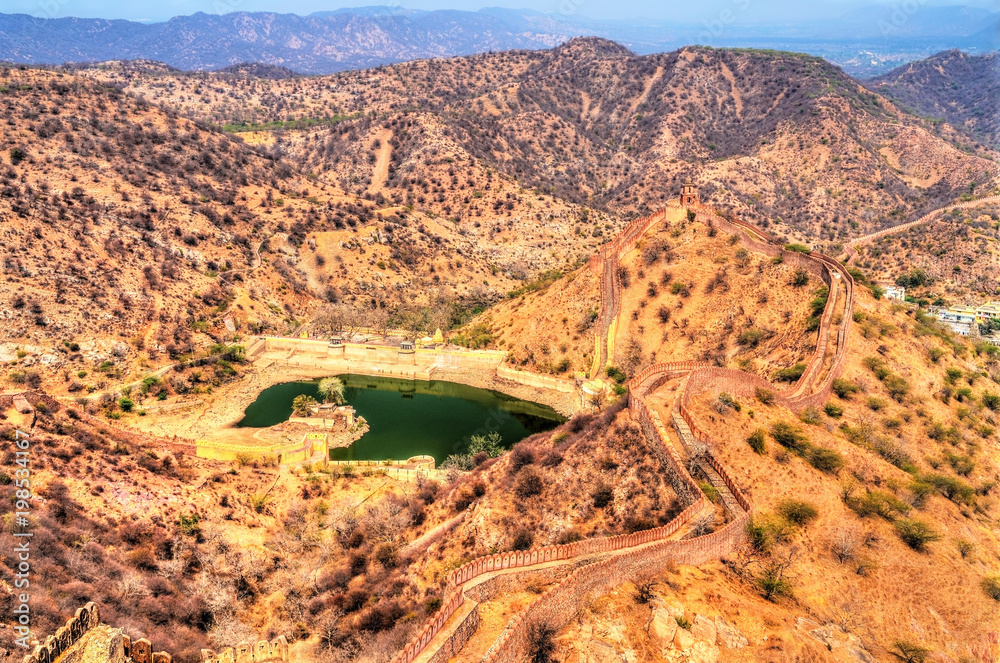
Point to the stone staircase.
(696, 451)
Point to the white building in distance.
(895, 292)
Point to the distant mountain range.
(953, 86)
(866, 41)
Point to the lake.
(412, 417)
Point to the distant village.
(982, 322)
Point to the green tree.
(303, 404)
(757, 441)
(797, 512)
(788, 436)
(915, 533)
(909, 652)
(491, 443)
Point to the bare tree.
(845, 543)
(379, 320)
(705, 524)
(632, 356)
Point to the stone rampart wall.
(924, 219)
(250, 652)
(353, 353)
(66, 636)
(557, 606)
(536, 380)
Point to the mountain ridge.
(864, 42)
(310, 45)
(953, 85)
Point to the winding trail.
(255, 263)
(380, 171)
(477, 590)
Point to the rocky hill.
(786, 139)
(954, 257)
(783, 466)
(132, 233)
(424, 191)
(952, 86)
(849, 520)
(319, 43)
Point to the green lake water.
(413, 417)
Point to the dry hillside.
(951, 86)
(901, 471)
(131, 233)
(953, 258)
(693, 292)
(786, 137)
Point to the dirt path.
(255, 262)
(737, 99)
(585, 100)
(380, 174)
(657, 75)
(420, 543)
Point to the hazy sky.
(686, 11)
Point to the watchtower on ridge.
(689, 194)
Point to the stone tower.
(689, 194)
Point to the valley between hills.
(759, 457)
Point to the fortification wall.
(66, 636)
(86, 619)
(651, 552)
(250, 652)
(727, 380)
(557, 606)
(536, 380)
(454, 643)
(924, 219)
(485, 591)
(361, 353)
(803, 394)
(681, 481)
(291, 452)
(452, 601)
(757, 240)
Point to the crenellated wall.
(66, 636)
(805, 392)
(126, 650)
(363, 353)
(650, 550)
(250, 652)
(85, 620)
(924, 219)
